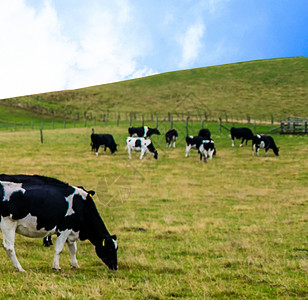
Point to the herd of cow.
(38, 206)
(139, 140)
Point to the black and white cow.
(193, 142)
(51, 207)
(140, 144)
(103, 140)
(206, 149)
(241, 133)
(205, 133)
(264, 142)
(171, 137)
(144, 131)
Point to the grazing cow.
(37, 206)
(100, 140)
(144, 131)
(264, 142)
(206, 149)
(241, 133)
(193, 142)
(140, 144)
(205, 133)
(171, 137)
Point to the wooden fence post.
(201, 123)
(142, 120)
(130, 120)
(118, 119)
(186, 125)
(220, 124)
(41, 132)
(156, 122)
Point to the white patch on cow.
(115, 244)
(27, 226)
(262, 145)
(69, 199)
(146, 129)
(10, 188)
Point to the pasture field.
(234, 227)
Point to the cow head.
(276, 151)
(107, 251)
(152, 131)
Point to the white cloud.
(191, 44)
(36, 56)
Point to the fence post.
(41, 132)
(219, 124)
(142, 120)
(156, 122)
(171, 122)
(248, 118)
(186, 125)
(201, 123)
(118, 119)
(254, 126)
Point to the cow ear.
(91, 193)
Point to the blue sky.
(51, 45)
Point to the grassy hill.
(275, 86)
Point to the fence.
(138, 119)
(294, 125)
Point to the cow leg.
(241, 145)
(129, 152)
(72, 247)
(142, 153)
(205, 155)
(253, 149)
(187, 150)
(211, 153)
(61, 239)
(8, 228)
(173, 144)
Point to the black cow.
(205, 133)
(171, 137)
(264, 142)
(193, 142)
(144, 131)
(37, 206)
(100, 140)
(241, 133)
(206, 149)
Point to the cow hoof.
(20, 270)
(57, 269)
(75, 267)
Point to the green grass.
(235, 227)
(262, 88)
